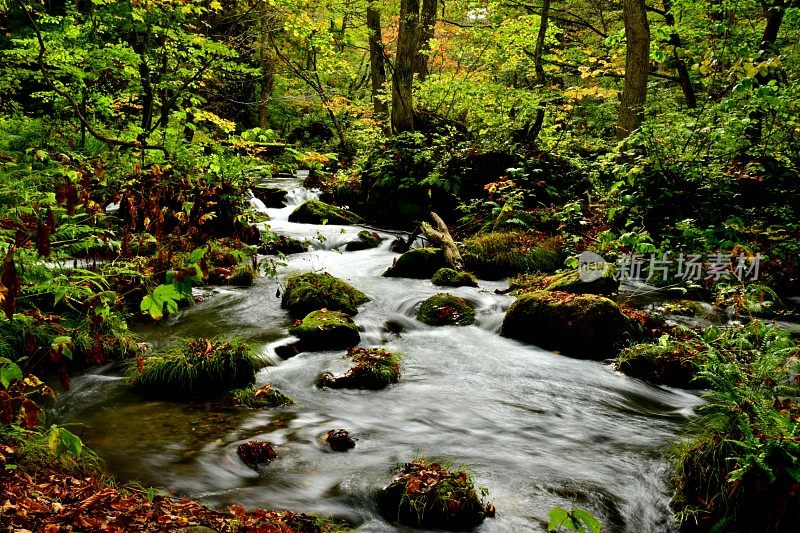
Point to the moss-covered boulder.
(326, 330)
(271, 196)
(446, 310)
(364, 241)
(500, 254)
(447, 277)
(418, 263)
(196, 366)
(668, 361)
(428, 495)
(241, 275)
(261, 398)
(579, 325)
(316, 212)
(319, 290)
(570, 281)
(375, 368)
(281, 244)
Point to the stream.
(538, 429)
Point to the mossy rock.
(447, 277)
(261, 398)
(579, 325)
(271, 196)
(500, 254)
(241, 275)
(427, 495)
(283, 245)
(570, 281)
(366, 240)
(418, 263)
(375, 369)
(316, 212)
(196, 366)
(667, 362)
(446, 310)
(311, 291)
(326, 330)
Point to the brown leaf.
(32, 411)
(11, 282)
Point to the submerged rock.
(446, 310)
(418, 263)
(366, 239)
(271, 196)
(585, 326)
(376, 368)
(339, 440)
(312, 291)
(316, 212)
(255, 453)
(326, 330)
(283, 245)
(447, 277)
(499, 254)
(427, 495)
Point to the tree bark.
(637, 67)
(377, 64)
(405, 63)
(426, 33)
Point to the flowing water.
(538, 429)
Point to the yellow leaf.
(215, 5)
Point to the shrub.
(196, 366)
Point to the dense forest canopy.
(144, 145)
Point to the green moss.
(669, 361)
(570, 281)
(366, 239)
(281, 244)
(312, 291)
(327, 330)
(429, 495)
(418, 263)
(446, 310)
(376, 368)
(196, 366)
(262, 397)
(587, 326)
(448, 277)
(316, 212)
(500, 254)
(243, 275)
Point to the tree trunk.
(377, 64)
(426, 32)
(405, 62)
(267, 69)
(637, 67)
(440, 235)
(766, 48)
(544, 19)
(680, 64)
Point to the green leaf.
(9, 371)
(63, 345)
(63, 441)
